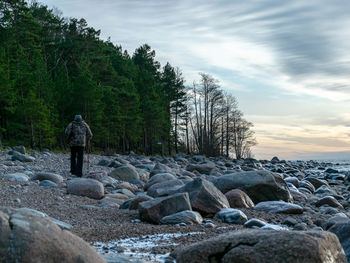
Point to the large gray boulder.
(342, 230)
(56, 178)
(162, 188)
(258, 185)
(154, 210)
(85, 187)
(239, 199)
(28, 238)
(158, 178)
(160, 168)
(125, 173)
(16, 156)
(21, 149)
(262, 246)
(204, 196)
(279, 207)
(188, 217)
(204, 168)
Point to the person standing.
(79, 133)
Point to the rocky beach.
(292, 210)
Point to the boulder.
(160, 168)
(292, 180)
(56, 178)
(85, 187)
(28, 238)
(21, 149)
(316, 182)
(231, 216)
(239, 199)
(203, 168)
(297, 195)
(255, 223)
(19, 177)
(329, 200)
(160, 189)
(279, 207)
(188, 217)
(98, 175)
(125, 173)
(134, 203)
(205, 197)
(342, 231)
(307, 185)
(258, 185)
(126, 185)
(253, 246)
(158, 178)
(22, 157)
(154, 210)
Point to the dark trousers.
(76, 160)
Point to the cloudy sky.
(287, 62)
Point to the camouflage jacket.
(78, 133)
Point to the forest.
(52, 68)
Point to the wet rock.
(85, 187)
(252, 246)
(239, 199)
(26, 237)
(231, 216)
(125, 173)
(258, 185)
(254, 223)
(154, 210)
(187, 217)
(56, 178)
(204, 196)
(278, 207)
(307, 185)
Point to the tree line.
(52, 68)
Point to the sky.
(286, 62)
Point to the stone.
(160, 168)
(126, 185)
(103, 162)
(279, 207)
(307, 185)
(205, 197)
(154, 210)
(274, 227)
(255, 245)
(56, 178)
(125, 192)
(97, 175)
(134, 203)
(85, 187)
(231, 216)
(254, 223)
(342, 230)
(17, 177)
(158, 178)
(28, 238)
(258, 185)
(125, 173)
(336, 219)
(330, 201)
(188, 217)
(203, 168)
(324, 189)
(21, 149)
(297, 195)
(290, 221)
(22, 157)
(48, 183)
(316, 182)
(292, 180)
(172, 185)
(239, 199)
